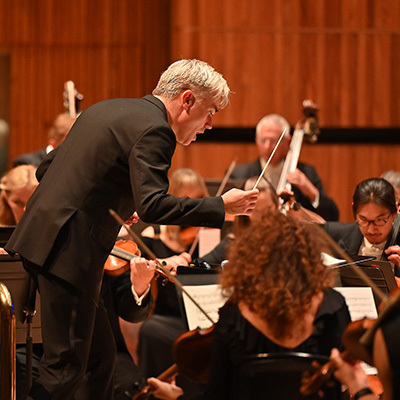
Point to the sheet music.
(361, 304)
(209, 297)
(208, 239)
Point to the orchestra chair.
(278, 376)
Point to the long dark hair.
(374, 190)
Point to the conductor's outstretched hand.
(240, 202)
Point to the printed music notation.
(361, 304)
(209, 297)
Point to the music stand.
(189, 276)
(380, 272)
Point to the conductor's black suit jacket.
(116, 156)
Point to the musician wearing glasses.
(373, 232)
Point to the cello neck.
(393, 236)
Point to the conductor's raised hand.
(240, 202)
(142, 272)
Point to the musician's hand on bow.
(351, 375)
(300, 180)
(240, 202)
(174, 261)
(142, 272)
(165, 390)
(287, 196)
(133, 219)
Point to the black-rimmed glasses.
(363, 222)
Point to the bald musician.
(306, 184)
(57, 133)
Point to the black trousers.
(79, 348)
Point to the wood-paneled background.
(342, 54)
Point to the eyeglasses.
(377, 222)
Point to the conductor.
(116, 156)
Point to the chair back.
(278, 376)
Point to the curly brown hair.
(275, 269)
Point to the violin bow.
(269, 159)
(160, 266)
(219, 192)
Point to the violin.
(119, 259)
(191, 352)
(122, 253)
(187, 235)
(357, 340)
(185, 361)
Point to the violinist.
(307, 185)
(374, 210)
(116, 156)
(280, 300)
(386, 358)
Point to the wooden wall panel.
(108, 48)
(274, 54)
(343, 54)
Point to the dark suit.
(119, 301)
(116, 156)
(349, 237)
(326, 208)
(34, 158)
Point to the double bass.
(72, 99)
(307, 128)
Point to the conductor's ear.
(188, 99)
